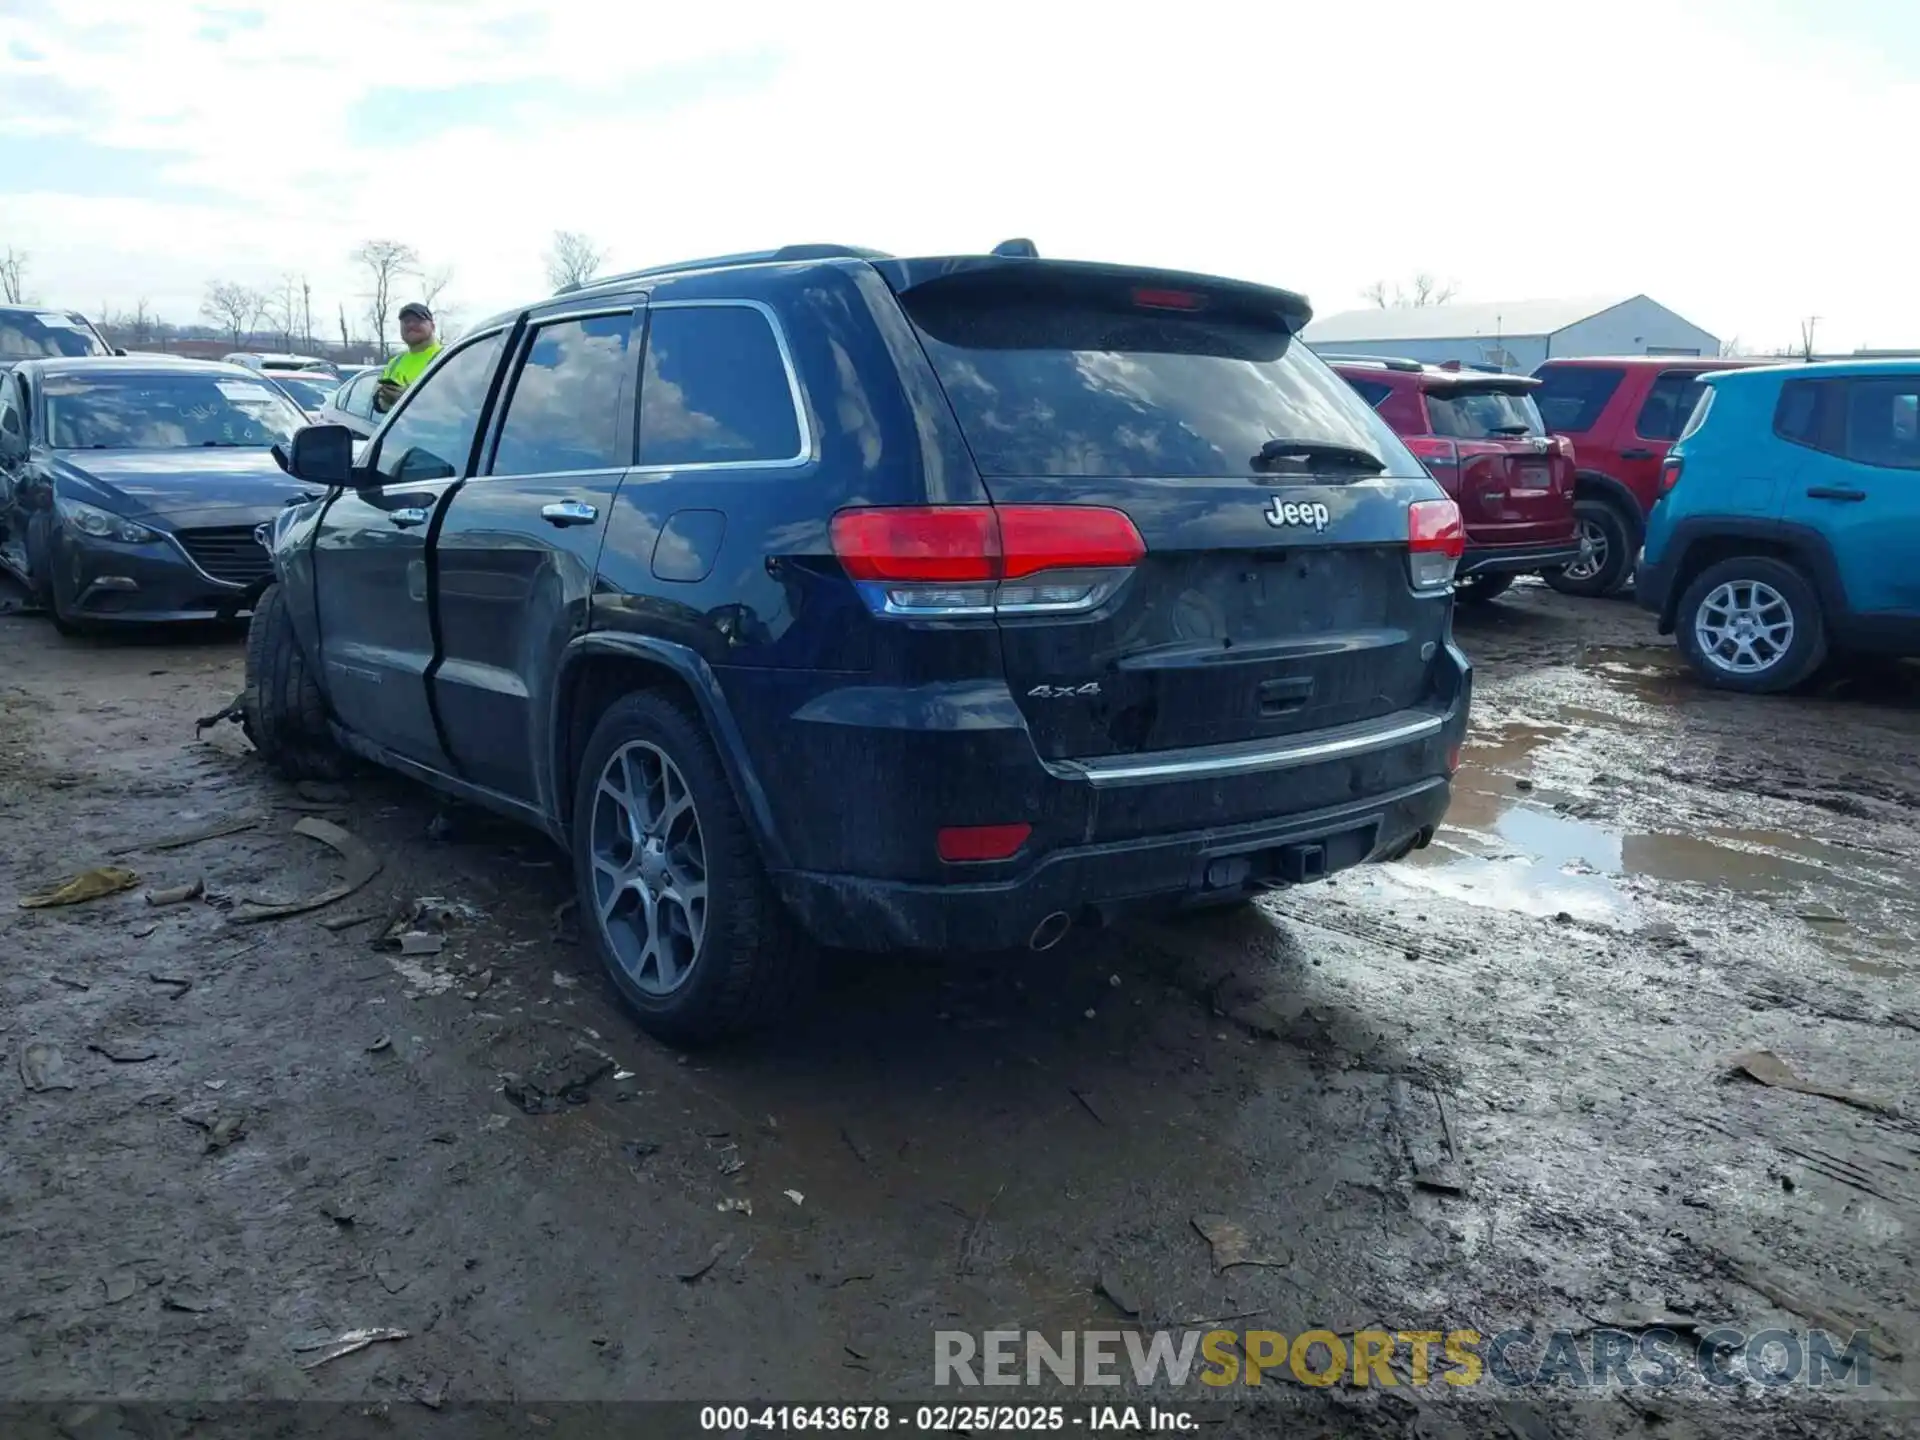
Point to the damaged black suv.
(823, 597)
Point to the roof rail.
(784, 254)
(1385, 362)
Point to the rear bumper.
(1518, 559)
(1106, 882)
(857, 804)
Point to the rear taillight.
(969, 560)
(1435, 541)
(1441, 457)
(1670, 473)
(967, 844)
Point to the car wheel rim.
(1744, 627)
(1593, 551)
(649, 868)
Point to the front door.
(370, 556)
(1858, 484)
(515, 557)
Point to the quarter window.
(1883, 422)
(1669, 402)
(1571, 397)
(564, 413)
(1371, 391)
(431, 436)
(715, 390)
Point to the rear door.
(1515, 483)
(370, 554)
(1274, 596)
(514, 558)
(1656, 424)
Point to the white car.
(271, 361)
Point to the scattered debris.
(730, 1161)
(555, 1084)
(638, 1150)
(322, 792)
(1826, 1315)
(1769, 1069)
(187, 1302)
(361, 866)
(1119, 1292)
(1230, 1244)
(714, 1252)
(323, 1351)
(441, 828)
(1635, 1317)
(43, 1067)
(87, 885)
(337, 923)
(141, 932)
(857, 1146)
(618, 1074)
(428, 1390)
(385, 1042)
(1821, 915)
(236, 711)
(193, 837)
(124, 1052)
(1114, 981)
(739, 1205)
(1523, 784)
(221, 1130)
(1086, 1102)
(340, 1212)
(482, 983)
(565, 922)
(70, 982)
(1089, 1012)
(122, 1285)
(391, 1280)
(178, 894)
(215, 1084)
(794, 1195)
(420, 942)
(564, 981)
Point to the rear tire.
(1611, 534)
(283, 712)
(694, 970)
(1479, 589)
(1752, 624)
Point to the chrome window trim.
(1240, 759)
(804, 456)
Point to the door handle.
(1834, 492)
(407, 519)
(570, 512)
(1636, 454)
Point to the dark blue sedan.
(130, 487)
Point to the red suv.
(1621, 413)
(1482, 437)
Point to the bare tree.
(140, 322)
(306, 314)
(283, 309)
(13, 276)
(573, 260)
(1807, 327)
(386, 262)
(233, 307)
(1732, 346)
(1423, 289)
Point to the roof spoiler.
(1168, 292)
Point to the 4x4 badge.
(1288, 512)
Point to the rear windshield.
(1571, 397)
(1043, 386)
(39, 335)
(1482, 414)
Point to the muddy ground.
(1487, 1087)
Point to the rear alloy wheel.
(1478, 589)
(670, 881)
(1752, 623)
(1607, 542)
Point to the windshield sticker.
(245, 390)
(57, 322)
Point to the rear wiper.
(1511, 429)
(1319, 454)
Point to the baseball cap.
(414, 310)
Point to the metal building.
(1515, 335)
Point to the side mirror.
(322, 454)
(119, 349)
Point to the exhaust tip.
(1050, 931)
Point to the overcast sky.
(1746, 162)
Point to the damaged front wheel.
(282, 710)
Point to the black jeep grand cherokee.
(818, 596)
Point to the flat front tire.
(671, 888)
(1753, 624)
(283, 711)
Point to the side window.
(431, 435)
(1571, 397)
(564, 412)
(1668, 404)
(357, 397)
(10, 423)
(1883, 422)
(1797, 415)
(716, 390)
(1371, 391)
